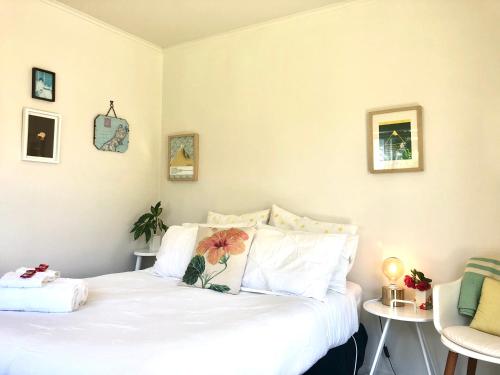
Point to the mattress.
(138, 323)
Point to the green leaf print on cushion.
(194, 270)
(219, 288)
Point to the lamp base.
(390, 292)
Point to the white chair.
(456, 334)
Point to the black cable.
(386, 350)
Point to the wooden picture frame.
(41, 135)
(395, 140)
(182, 158)
(43, 85)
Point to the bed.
(138, 323)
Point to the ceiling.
(169, 22)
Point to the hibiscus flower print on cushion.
(224, 242)
(219, 259)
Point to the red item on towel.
(42, 267)
(29, 273)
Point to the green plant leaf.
(138, 232)
(219, 288)
(142, 219)
(194, 270)
(149, 223)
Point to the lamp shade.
(393, 269)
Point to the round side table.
(406, 313)
(139, 254)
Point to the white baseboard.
(365, 371)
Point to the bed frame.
(340, 360)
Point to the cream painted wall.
(75, 215)
(280, 109)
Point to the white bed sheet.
(138, 323)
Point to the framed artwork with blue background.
(43, 85)
(395, 140)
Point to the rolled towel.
(51, 274)
(62, 295)
(13, 280)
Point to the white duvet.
(137, 323)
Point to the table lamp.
(393, 269)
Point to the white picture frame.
(41, 135)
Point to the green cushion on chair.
(470, 290)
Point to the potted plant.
(422, 287)
(151, 226)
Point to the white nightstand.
(404, 313)
(139, 254)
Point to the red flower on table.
(224, 242)
(409, 282)
(423, 286)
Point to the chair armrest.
(445, 306)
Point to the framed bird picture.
(41, 134)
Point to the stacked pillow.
(254, 218)
(284, 219)
(175, 251)
(296, 256)
(292, 262)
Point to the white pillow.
(175, 251)
(292, 262)
(259, 217)
(284, 219)
(206, 225)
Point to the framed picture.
(41, 136)
(395, 142)
(43, 85)
(183, 157)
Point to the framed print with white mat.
(395, 142)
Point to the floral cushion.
(219, 259)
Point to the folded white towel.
(52, 274)
(13, 280)
(61, 295)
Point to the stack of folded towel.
(42, 292)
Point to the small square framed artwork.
(41, 136)
(395, 140)
(183, 157)
(43, 85)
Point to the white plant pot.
(423, 297)
(154, 244)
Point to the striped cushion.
(472, 282)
